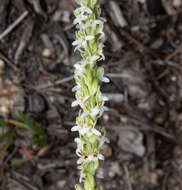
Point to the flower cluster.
(87, 90)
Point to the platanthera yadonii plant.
(87, 75)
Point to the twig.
(67, 79)
(140, 44)
(174, 53)
(14, 24)
(166, 176)
(27, 33)
(22, 183)
(143, 123)
(60, 81)
(9, 62)
(63, 43)
(127, 177)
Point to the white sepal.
(104, 79)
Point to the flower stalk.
(87, 75)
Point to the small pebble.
(47, 53)
(106, 150)
(2, 65)
(117, 15)
(61, 184)
(36, 103)
(115, 169)
(131, 140)
(177, 3)
(141, 1)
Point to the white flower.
(102, 56)
(84, 26)
(82, 175)
(102, 109)
(90, 158)
(82, 129)
(79, 102)
(96, 22)
(89, 37)
(83, 10)
(104, 79)
(80, 160)
(76, 103)
(82, 13)
(93, 131)
(86, 130)
(105, 98)
(103, 139)
(78, 44)
(82, 43)
(102, 35)
(95, 111)
(80, 145)
(77, 21)
(84, 114)
(96, 132)
(76, 88)
(79, 69)
(94, 158)
(93, 58)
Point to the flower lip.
(76, 88)
(104, 79)
(83, 10)
(96, 132)
(105, 98)
(89, 37)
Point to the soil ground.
(144, 122)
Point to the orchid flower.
(88, 76)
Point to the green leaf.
(5, 135)
(3, 123)
(41, 141)
(19, 161)
(31, 125)
(10, 140)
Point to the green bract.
(89, 32)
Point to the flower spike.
(88, 76)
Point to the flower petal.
(76, 88)
(100, 157)
(76, 42)
(105, 98)
(94, 58)
(80, 160)
(96, 132)
(89, 37)
(104, 79)
(75, 128)
(75, 103)
(95, 111)
(84, 114)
